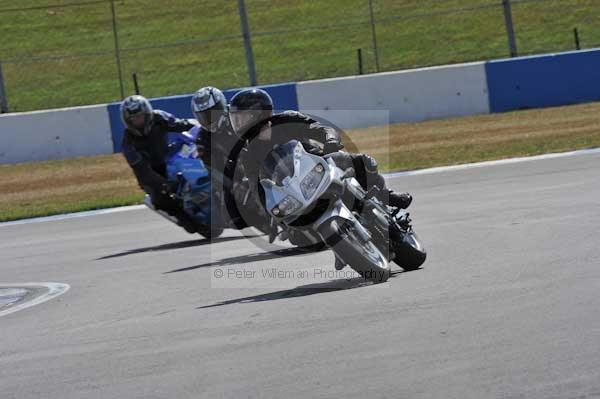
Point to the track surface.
(507, 306)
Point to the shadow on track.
(303, 290)
(176, 245)
(237, 260)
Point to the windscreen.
(279, 163)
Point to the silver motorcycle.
(309, 195)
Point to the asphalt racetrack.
(506, 306)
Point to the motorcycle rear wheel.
(410, 253)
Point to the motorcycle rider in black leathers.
(145, 148)
(216, 137)
(251, 115)
(215, 142)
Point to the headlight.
(309, 184)
(286, 207)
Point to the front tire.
(209, 232)
(362, 256)
(298, 239)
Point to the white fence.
(408, 96)
(55, 134)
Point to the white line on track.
(73, 215)
(387, 175)
(54, 290)
(499, 162)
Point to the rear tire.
(363, 257)
(410, 253)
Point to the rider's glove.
(332, 146)
(168, 188)
(165, 189)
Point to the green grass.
(47, 188)
(54, 187)
(202, 43)
(63, 207)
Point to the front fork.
(340, 211)
(374, 214)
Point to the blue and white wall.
(543, 81)
(404, 96)
(56, 134)
(408, 96)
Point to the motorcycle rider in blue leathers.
(145, 148)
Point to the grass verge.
(63, 56)
(54, 187)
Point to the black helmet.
(132, 110)
(249, 107)
(210, 108)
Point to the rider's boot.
(399, 200)
(339, 264)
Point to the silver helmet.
(136, 114)
(209, 106)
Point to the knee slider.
(370, 163)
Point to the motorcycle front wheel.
(362, 256)
(209, 232)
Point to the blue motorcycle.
(191, 178)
